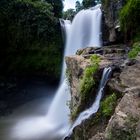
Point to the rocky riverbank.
(118, 117)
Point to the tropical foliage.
(129, 19)
(30, 37)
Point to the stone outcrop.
(76, 64)
(124, 123)
(111, 25)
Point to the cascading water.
(83, 32)
(95, 106)
(66, 28)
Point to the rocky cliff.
(118, 117)
(111, 24)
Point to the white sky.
(69, 4)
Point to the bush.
(108, 105)
(87, 82)
(135, 51)
(129, 18)
(30, 36)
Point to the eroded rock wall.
(124, 120)
(111, 25)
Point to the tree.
(78, 6)
(88, 3)
(30, 35)
(69, 14)
(57, 7)
(129, 19)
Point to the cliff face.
(111, 9)
(119, 114)
(125, 123)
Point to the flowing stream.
(84, 31)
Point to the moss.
(87, 82)
(135, 51)
(108, 105)
(106, 109)
(99, 121)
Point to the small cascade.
(95, 106)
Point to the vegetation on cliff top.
(30, 36)
(70, 13)
(129, 19)
(87, 82)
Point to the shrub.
(129, 18)
(135, 51)
(108, 105)
(87, 82)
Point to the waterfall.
(95, 106)
(85, 30)
(82, 32)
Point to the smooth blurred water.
(27, 122)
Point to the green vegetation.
(70, 13)
(87, 82)
(106, 109)
(99, 121)
(135, 50)
(108, 105)
(90, 3)
(30, 37)
(129, 19)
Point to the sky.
(69, 4)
